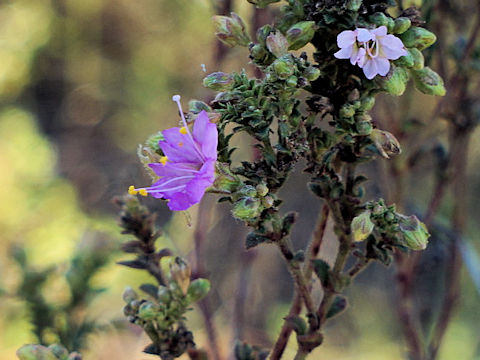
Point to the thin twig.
(201, 230)
(296, 307)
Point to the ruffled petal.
(346, 38)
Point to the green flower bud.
(312, 73)
(283, 68)
(389, 216)
(225, 181)
(152, 141)
(362, 226)
(163, 295)
(415, 233)
(364, 128)
(386, 144)
(406, 60)
(195, 106)
(367, 103)
(35, 352)
(59, 351)
(300, 34)
(198, 289)
(247, 209)
(218, 81)
(429, 82)
(267, 202)
(418, 37)
(277, 44)
(258, 52)
(129, 295)
(347, 111)
(262, 34)
(379, 19)
(147, 311)
(181, 272)
(248, 191)
(291, 81)
(395, 82)
(402, 24)
(262, 3)
(231, 30)
(262, 190)
(418, 59)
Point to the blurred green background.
(81, 84)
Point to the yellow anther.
(132, 191)
(163, 160)
(143, 192)
(183, 130)
(180, 144)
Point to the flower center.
(372, 48)
(184, 130)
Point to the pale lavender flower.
(371, 50)
(187, 168)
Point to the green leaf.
(298, 324)
(253, 239)
(150, 289)
(339, 304)
(322, 270)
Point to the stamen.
(131, 190)
(183, 130)
(163, 160)
(176, 98)
(143, 192)
(180, 144)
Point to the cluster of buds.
(162, 314)
(251, 201)
(231, 30)
(415, 39)
(273, 44)
(40, 352)
(389, 226)
(353, 114)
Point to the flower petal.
(364, 35)
(344, 53)
(173, 169)
(179, 147)
(206, 135)
(360, 58)
(370, 69)
(392, 47)
(179, 202)
(383, 66)
(346, 38)
(380, 31)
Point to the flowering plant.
(310, 110)
(187, 166)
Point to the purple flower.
(187, 168)
(371, 50)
